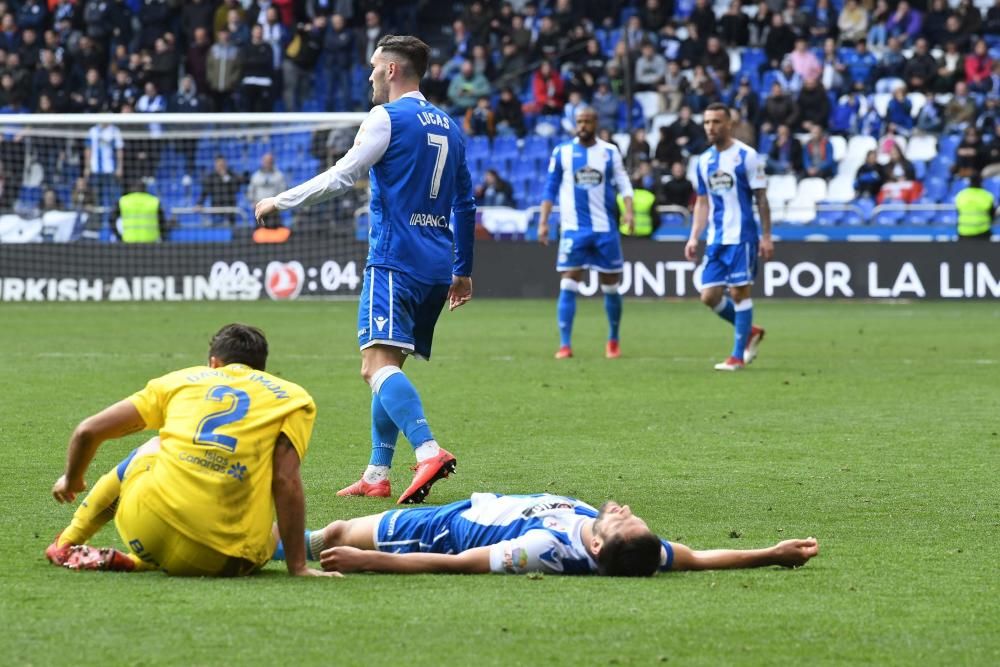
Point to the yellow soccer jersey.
(212, 479)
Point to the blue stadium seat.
(919, 169)
(828, 217)
(536, 145)
(505, 147)
(935, 189)
(201, 235)
(891, 217)
(957, 185)
(949, 217)
(993, 185)
(940, 166)
(30, 197)
(766, 141)
(948, 145)
(477, 147)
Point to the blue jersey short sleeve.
(420, 180)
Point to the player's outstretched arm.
(349, 559)
(789, 553)
(116, 421)
(290, 507)
(370, 145)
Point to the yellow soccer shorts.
(156, 545)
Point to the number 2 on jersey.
(234, 412)
(439, 142)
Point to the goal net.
(63, 235)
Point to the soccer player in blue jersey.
(584, 174)
(419, 179)
(520, 534)
(730, 177)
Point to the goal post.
(62, 178)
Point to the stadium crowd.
(798, 73)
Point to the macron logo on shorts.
(380, 322)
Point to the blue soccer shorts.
(733, 265)
(601, 251)
(419, 529)
(399, 311)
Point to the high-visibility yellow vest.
(975, 211)
(643, 202)
(140, 222)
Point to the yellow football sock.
(96, 510)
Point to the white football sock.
(427, 450)
(374, 474)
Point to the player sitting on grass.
(521, 534)
(197, 500)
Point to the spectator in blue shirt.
(900, 111)
(860, 63)
(869, 179)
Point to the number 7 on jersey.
(439, 142)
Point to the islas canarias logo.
(284, 280)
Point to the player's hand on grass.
(342, 559)
(310, 572)
(459, 292)
(65, 489)
(766, 248)
(264, 208)
(543, 233)
(793, 553)
(691, 250)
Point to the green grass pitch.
(871, 426)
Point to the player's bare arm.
(789, 553)
(628, 218)
(116, 421)
(290, 508)
(350, 559)
(698, 223)
(543, 221)
(764, 209)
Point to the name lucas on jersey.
(428, 118)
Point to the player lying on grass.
(197, 499)
(521, 534)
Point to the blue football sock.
(726, 310)
(401, 403)
(566, 310)
(613, 307)
(744, 322)
(384, 434)
(279, 549)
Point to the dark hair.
(637, 556)
(975, 180)
(240, 344)
(718, 106)
(415, 52)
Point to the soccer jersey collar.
(416, 94)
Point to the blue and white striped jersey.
(104, 142)
(728, 178)
(585, 180)
(534, 533)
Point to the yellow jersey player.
(199, 499)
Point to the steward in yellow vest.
(141, 217)
(976, 208)
(644, 203)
